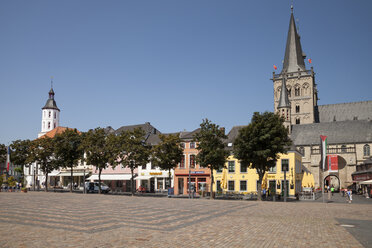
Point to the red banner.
(332, 163)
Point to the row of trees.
(257, 145)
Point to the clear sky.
(171, 63)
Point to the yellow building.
(238, 178)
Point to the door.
(287, 182)
(272, 187)
(152, 185)
(180, 186)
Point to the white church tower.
(50, 114)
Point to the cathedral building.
(348, 126)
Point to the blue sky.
(171, 63)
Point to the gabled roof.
(189, 135)
(338, 132)
(55, 131)
(151, 136)
(345, 111)
(294, 56)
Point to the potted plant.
(11, 183)
(24, 190)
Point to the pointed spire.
(51, 92)
(293, 57)
(284, 100)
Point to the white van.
(92, 187)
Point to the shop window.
(231, 185)
(366, 151)
(231, 166)
(285, 165)
(243, 185)
(218, 183)
(192, 161)
(192, 145)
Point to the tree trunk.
(46, 182)
(72, 180)
(259, 186)
(99, 181)
(212, 196)
(131, 182)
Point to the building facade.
(348, 126)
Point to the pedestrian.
(332, 189)
(350, 195)
(264, 193)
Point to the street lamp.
(84, 181)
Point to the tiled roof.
(152, 134)
(338, 132)
(345, 111)
(55, 131)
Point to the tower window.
(49, 114)
(48, 124)
(54, 126)
(43, 125)
(366, 151)
(55, 115)
(297, 109)
(297, 91)
(289, 91)
(297, 120)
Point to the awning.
(143, 177)
(111, 177)
(366, 182)
(75, 174)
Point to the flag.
(323, 140)
(8, 159)
(275, 67)
(309, 61)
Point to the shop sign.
(362, 177)
(197, 172)
(271, 176)
(156, 173)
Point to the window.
(219, 170)
(297, 120)
(366, 151)
(302, 151)
(243, 167)
(192, 145)
(285, 165)
(54, 125)
(298, 109)
(55, 115)
(343, 148)
(49, 114)
(192, 161)
(297, 91)
(231, 185)
(243, 185)
(231, 166)
(182, 164)
(289, 91)
(218, 183)
(48, 124)
(272, 169)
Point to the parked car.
(92, 187)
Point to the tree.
(259, 143)
(168, 153)
(99, 150)
(132, 151)
(21, 154)
(68, 150)
(43, 153)
(212, 153)
(2, 153)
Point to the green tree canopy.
(68, 150)
(168, 153)
(132, 151)
(99, 148)
(212, 153)
(2, 153)
(20, 152)
(43, 153)
(259, 143)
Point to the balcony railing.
(334, 150)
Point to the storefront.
(362, 175)
(199, 179)
(116, 182)
(153, 182)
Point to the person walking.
(332, 189)
(350, 195)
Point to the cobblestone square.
(39, 219)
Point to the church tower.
(50, 114)
(300, 82)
